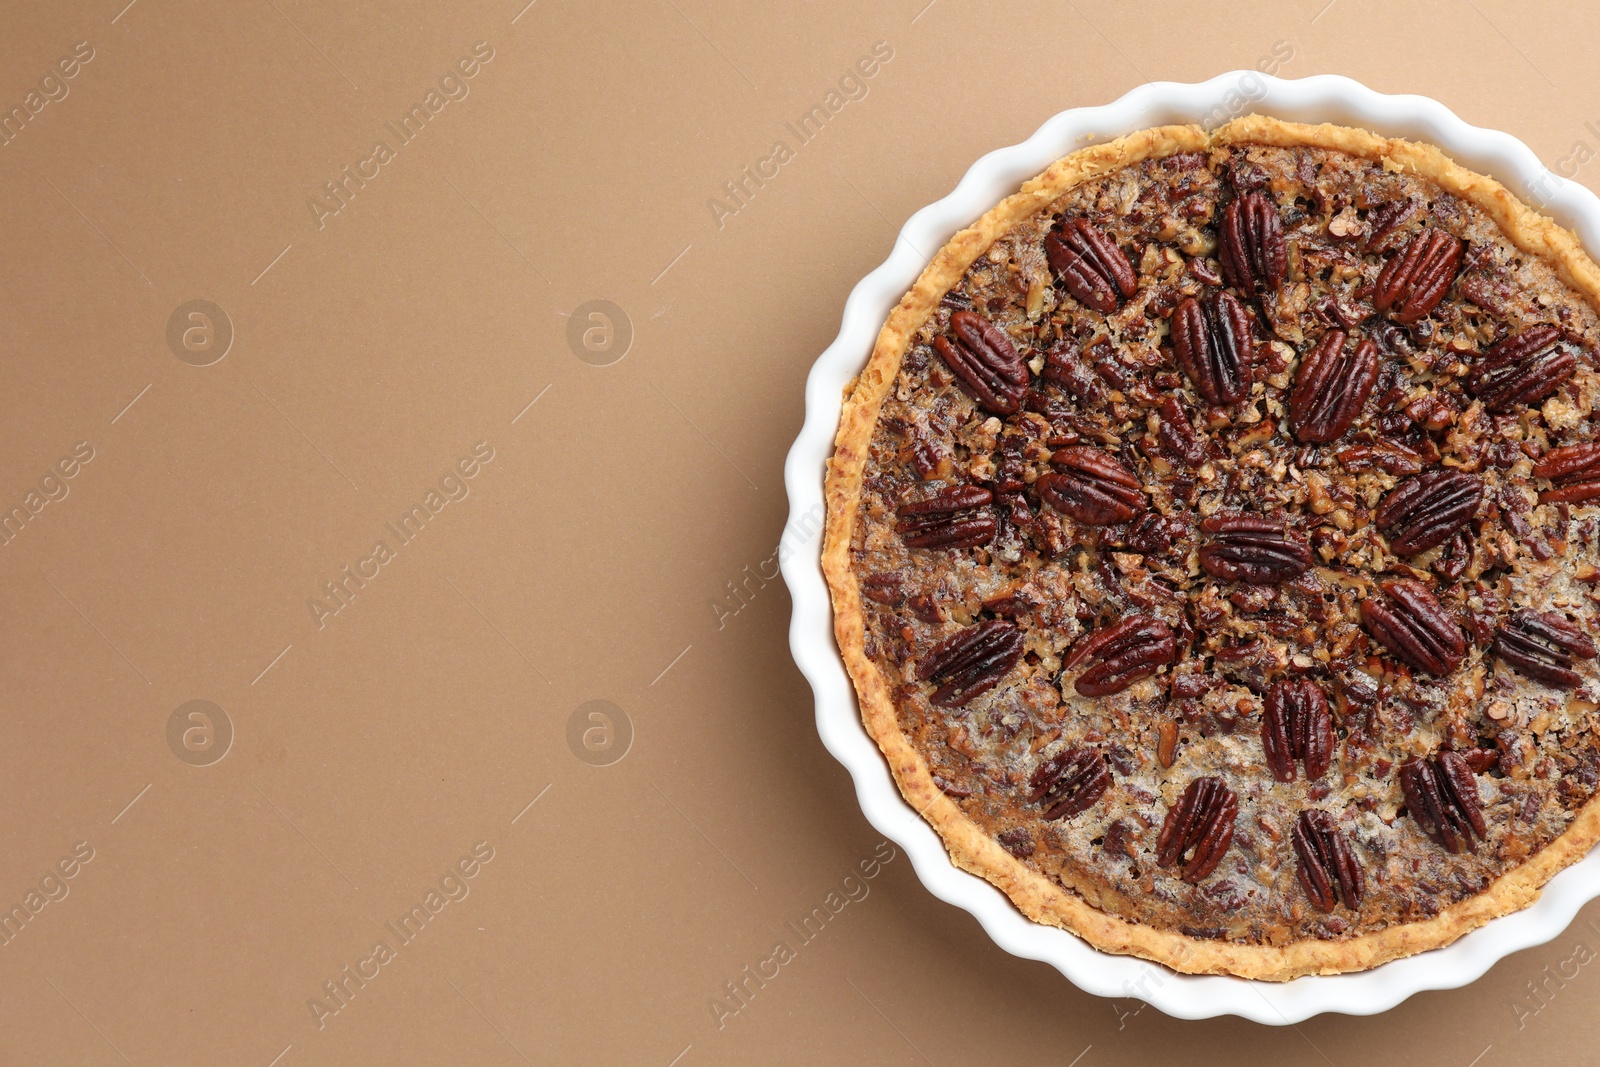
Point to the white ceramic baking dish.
(1324, 98)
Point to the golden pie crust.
(975, 850)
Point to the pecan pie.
(1214, 536)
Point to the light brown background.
(373, 353)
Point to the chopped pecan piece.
(1153, 534)
(1386, 220)
(1166, 742)
(955, 517)
(1252, 548)
(1385, 455)
(1254, 255)
(1018, 841)
(971, 661)
(1425, 511)
(1064, 364)
(1090, 265)
(986, 361)
(1296, 726)
(882, 588)
(1117, 839)
(925, 607)
(1456, 557)
(1491, 293)
(1019, 601)
(1200, 826)
(1329, 871)
(1092, 486)
(1412, 283)
(1573, 472)
(1070, 782)
(1523, 368)
(1121, 654)
(1330, 388)
(1212, 343)
(1442, 796)
(1177, 434)
(1412, 624)
(1543, 645)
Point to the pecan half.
(1090, 264)
(1070, 782)
(1522, 369)
(971, 661)
(1092, 486)
(1442, 796)
(1543, 645)
(1412, 283)
(1330, 388)
(1253, 549)
(1212, 343)
(1573, 472)
(1296, 725)
(955, 517)
(1414, 626)
(1425, 511)
(1329, 871)
(1121, 654)
(1254, 254)
(986, 361)
(1200, 825)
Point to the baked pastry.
(1213, 538)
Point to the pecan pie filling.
(1227, 542)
